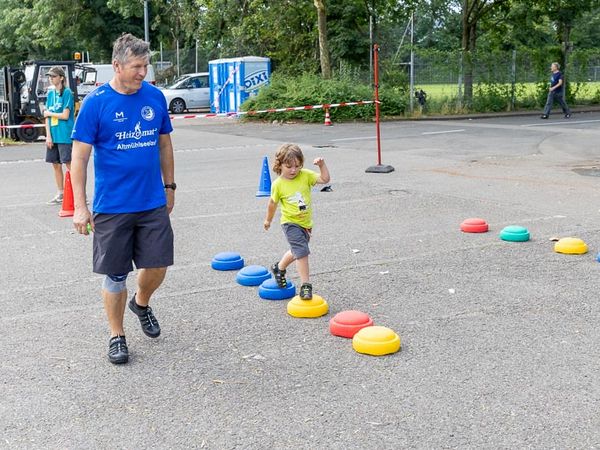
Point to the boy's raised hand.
(324, 176)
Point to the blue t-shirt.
(60, 130)
(554, 81)
(124, 130)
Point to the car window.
(174, 84)
(201, 82)
(90, 78)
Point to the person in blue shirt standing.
(127, 124)
(556, 92)
(59, 114)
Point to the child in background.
(292, 189)
(60, 118)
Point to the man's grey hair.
(128, 46)
(556, 64)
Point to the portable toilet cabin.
(233, 80)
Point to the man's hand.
(81, 218)
(170, 200)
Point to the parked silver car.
(189, 91)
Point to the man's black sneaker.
(306, 291)
(544, 116)
(150, 325)
(279, 276)
(567, 116)
(117, 350)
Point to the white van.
(103, 73)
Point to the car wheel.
(177, 106)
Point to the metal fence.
(172, 62)
(517, 78)
(502, 80)
(505, 67)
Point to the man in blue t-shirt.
(126, 122)
(556, 92)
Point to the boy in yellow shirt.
(292, 189)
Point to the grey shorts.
(145, 238)
(59, 153)
(298, 239)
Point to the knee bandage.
(115, 283)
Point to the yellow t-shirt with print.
(294, 197)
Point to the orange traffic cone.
(68, 204)
(327, 118)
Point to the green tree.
(586, 31)
(564, 14)
(472, 13)
(54, 29)
(17, 24)
(437, 25)
(323, 46)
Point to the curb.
(575, 110)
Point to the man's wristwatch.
(171, 186)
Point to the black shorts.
(59, 153)
(144, 238)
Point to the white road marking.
(567, 122)
(442, 132)
(354, 138)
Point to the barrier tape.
(240, 113)
(276, 110)
(27, 125)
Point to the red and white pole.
(379, 168)
(376, 79)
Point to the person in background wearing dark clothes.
(556, 92)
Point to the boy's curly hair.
(286, 154)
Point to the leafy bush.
(284, 91)
(492, 97)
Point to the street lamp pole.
(146, 30)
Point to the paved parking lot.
(499, 339)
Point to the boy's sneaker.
(544, 116)
(57, 200)
(149, 324)
(306, 291)
(567, 116)
(117, 350)
(279, 276)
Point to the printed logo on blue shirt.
(147, 113)
(119, 117)
(136, 134)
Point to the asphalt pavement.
(499, 339)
